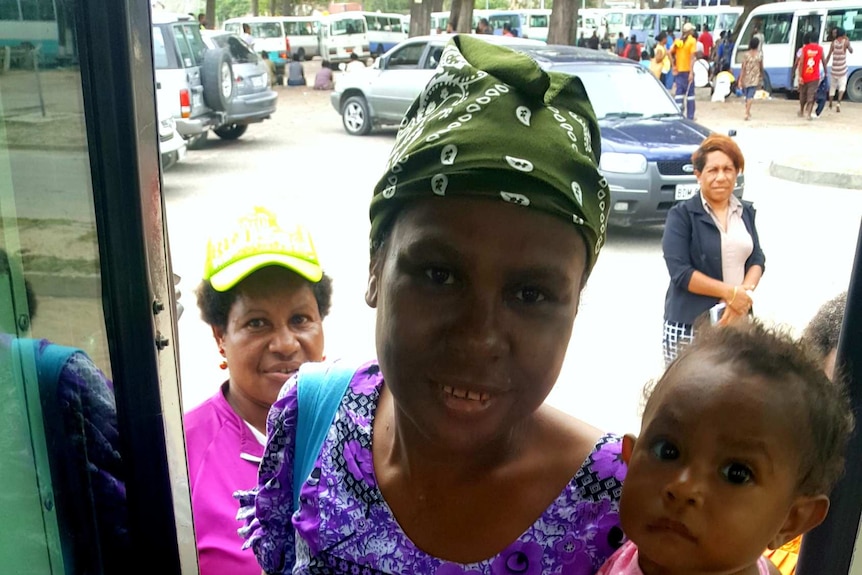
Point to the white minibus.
(783, 26)
(535, 23)
(269, 36)
(341, 35)
(302, 33)
(384, 31)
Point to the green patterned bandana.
(492, 124)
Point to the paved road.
(303, 163)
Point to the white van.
(384, 30)
(269, 36)
(301, 32)
(784, 24)
(341, 35)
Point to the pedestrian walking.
(683, 53)
(838, 53)
(751, 74)
(810, 58)
(621, 44)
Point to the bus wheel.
(355, 116)
(854, 87)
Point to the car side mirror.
(379, 64)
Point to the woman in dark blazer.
(710, 246)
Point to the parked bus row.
(782, 27)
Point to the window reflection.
(62, 472)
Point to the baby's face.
(712, 477)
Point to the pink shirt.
(223, 457)
(625, 562)
(736, 242)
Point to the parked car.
(646, 142)
(382, 93)
(254, 100)
(172, 147)
(196, 85)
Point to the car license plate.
(258, 81)
(197, 100)
(686, 191)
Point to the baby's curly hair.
(215, 305)
(793, 368)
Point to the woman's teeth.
(465, 394)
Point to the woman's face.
(273, 327)
(475, 302)
(717, 178)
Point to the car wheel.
(231, 131)
(854, 87)
(355, 116)
(197, 141)
(301, 54)
(217, 79)
(169, 160)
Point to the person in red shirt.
(706, 40)
(810, 59)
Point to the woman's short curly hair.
(215, 305)
(823, 330)
(718, 143)
(794, 371)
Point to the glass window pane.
(62, 475)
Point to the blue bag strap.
(319, 389)
(49, 361)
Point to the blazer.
(692, 242)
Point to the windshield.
(265, 29)
(622, 91)
(348, 26)
(643, 21)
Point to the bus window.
(774, 27)
(850, 20)
(539, 21)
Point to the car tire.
(197, 141)
(355, 116)
(301, 54)
(854, 87)
(217, 80)
(231, 131)
(169, 160)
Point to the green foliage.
(232, 8)
(399, 6)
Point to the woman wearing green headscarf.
(442, 457)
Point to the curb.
(803, 176)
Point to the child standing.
(741, 442)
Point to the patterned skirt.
(675, 338)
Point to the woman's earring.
(223, 364)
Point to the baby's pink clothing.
(625, 562)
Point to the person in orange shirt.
(682, 53)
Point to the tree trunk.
(286, 9)
(465, 17)
(255, 7)
(211, 14)
(420, 17)
(562, 27)
(455, 14)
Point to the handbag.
(319, 390)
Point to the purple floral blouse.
(345, 526)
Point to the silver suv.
(194, 85)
